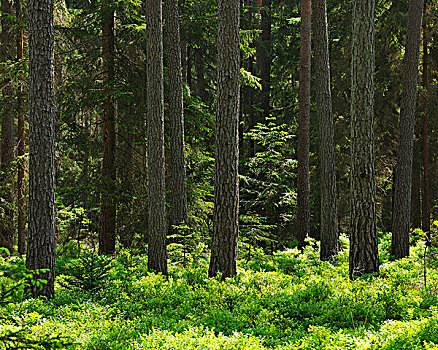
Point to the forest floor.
(290, 300)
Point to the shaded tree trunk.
(403, 172)
(416, 206)
(107, 231)
(426, 181)
(329, 222)
(303, 184)
(226, 197)
(364, 257)
(178, 193)
(21, 140)
(201, 84)
(157, 252)
(7, 139)
(41, 230)
(264, 56)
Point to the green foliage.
(267, 183)
(88, 273)
(291, 300)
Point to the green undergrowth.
(287, 301)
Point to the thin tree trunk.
(303, 185)
(264, 54)
(426, 181)
(21, 140)
(201, 84)
(416, 207)
(403, 173)
(226, 198)
(329, 222)
(107, 232)
(364, 257)
(157, 252)
(7, 147)
(41, 233)
(178, 193)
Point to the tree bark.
(178, 193)
(426, 181)
(364, 257)
(329, 222)
(226, 198)
(403, 172)
(264, 53)
(41, 230)
(7, 138)
(107, 231)
(157, 252)
(303, 184)
(21, 187)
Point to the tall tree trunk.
(7, 139)
(329, 222)
(21, 140)
(303, 185)
(364, 256)
(201, 84)
(41, 233)
(107, 231)
(426, 181)
(178, 193)
(157, 253)
(403, 172)
(264, 55)
(226, 192)
(416, 207)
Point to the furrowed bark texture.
(7, 135)
(264, 54)
(226, 200)
(157, 252)
(364, 257)
(41, 229)
(329, 222)
(426, 180)
(107, 233)
(178, 193)
(21, 187)
(403, 172)
(303, 184)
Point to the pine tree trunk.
(107, 231)
(364, 257)
(7, 138)
(21, 141)
(329, 222)
(264, 55)
(226, 200)
(403, 172)
(303, 184)
(426, 181)
(41, 232)
(178, 193)
(416, 207)
(157, 252)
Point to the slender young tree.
(41, 228)
(157, 252)
(329, 222)
(226, 192)
(303, 184)
(21, 140)
(178, 193)
(7, 136)
(426, 180)
(107, 231)
(403, 172)
(364, 257)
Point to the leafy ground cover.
(290, 300)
